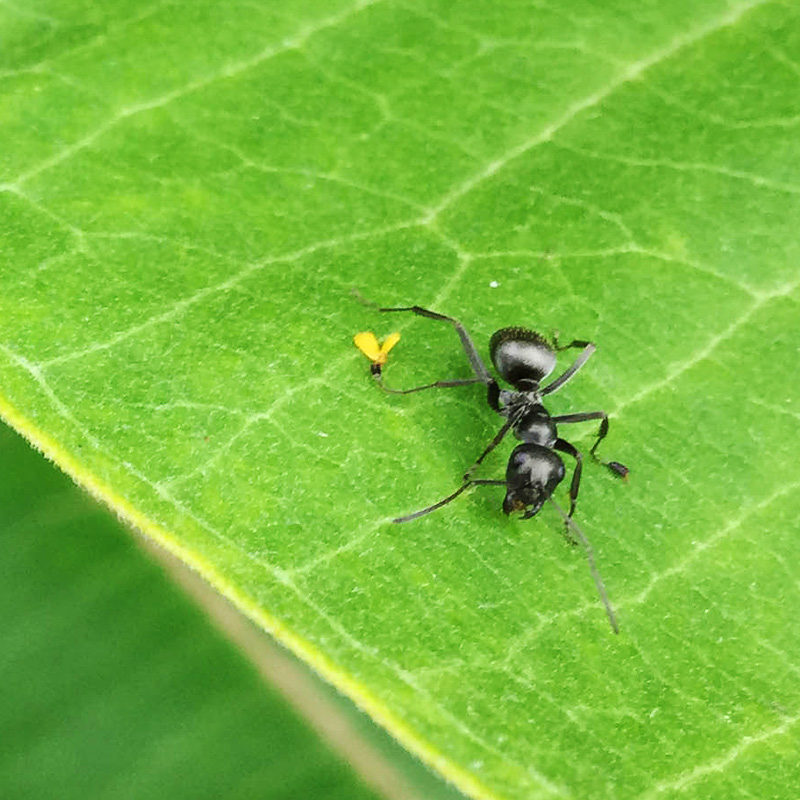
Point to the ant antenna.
(598, 581)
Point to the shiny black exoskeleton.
(524, 359)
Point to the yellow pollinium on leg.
(376, 353)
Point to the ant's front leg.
(482, 374)
(448, 499)
(563, 446)
(501, 434)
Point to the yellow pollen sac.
(376, 353)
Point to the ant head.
(522, 357)
(531, 477)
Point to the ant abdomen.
(521, 355)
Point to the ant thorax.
(529, 419)
(514, 402)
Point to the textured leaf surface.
(188, 196)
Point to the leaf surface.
(189, 194)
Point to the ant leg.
(482, 375)
(475, 361)
(555, 385)
(585, 416)
(563, 446)
(438, 384)
(614, 466)
(494, 389)
(447, 499)
(501, 434)
(573, 343)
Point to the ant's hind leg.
(478, 367)
(614, 466)
(437, 384)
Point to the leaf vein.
(231, 71)
(686, 779)
(627, 75)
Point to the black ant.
(524, 359)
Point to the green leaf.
(190, 193)
(113, 685)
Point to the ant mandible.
(524, 359)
